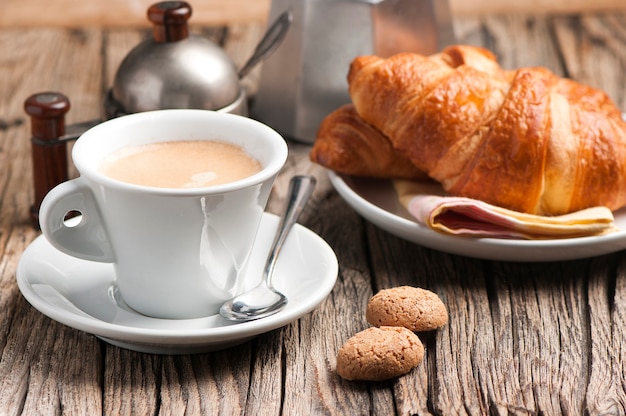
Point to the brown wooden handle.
(49, 155)
(170, 20)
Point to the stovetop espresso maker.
(305, 79)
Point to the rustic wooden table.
(523, 338)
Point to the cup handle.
(87, 239)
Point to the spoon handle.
(300, 189)
(271, 40)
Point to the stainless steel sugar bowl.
(306, 78)
(175, 69)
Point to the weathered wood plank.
(131, 382)
(40, 373)
(120, 13)
(265, 392)
(606, 392)
(602, 67)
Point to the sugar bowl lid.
(174, 69)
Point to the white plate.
(80, 294)
(376, 201)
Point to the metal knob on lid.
(170, 21)
(174, 69)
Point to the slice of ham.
(473, 218)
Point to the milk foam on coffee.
(180, 164)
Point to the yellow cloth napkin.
(470, 217)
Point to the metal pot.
(175, 69)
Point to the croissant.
(347, 144)
(525, 140)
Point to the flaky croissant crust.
(526, 140)
(346, 144)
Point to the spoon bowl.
(264, 300)
(254, 304)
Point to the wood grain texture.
(522, 339)
(122, 13)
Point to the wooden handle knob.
(49, 155)
(170, 20)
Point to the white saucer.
(80, 294)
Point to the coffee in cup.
(178, 252)
(180, 164)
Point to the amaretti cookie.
(376, 354)
(413, 308)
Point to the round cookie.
(376, 354)
(413, 308)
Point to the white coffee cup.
(178, 253)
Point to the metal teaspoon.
(264, 300)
